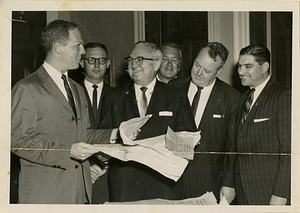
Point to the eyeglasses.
(138, 60)
(92, 60)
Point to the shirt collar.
(90, 85)
(260, 87)
(209, 87)
(149, 86)
(54, 74)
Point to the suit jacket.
(100, 187)
(43, 129)
(211, 168)
(266, 134)
(133, 181)
(95, 119)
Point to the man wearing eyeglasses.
(171, 62)
(131, 181)
(95, 63)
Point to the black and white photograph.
(139, 106)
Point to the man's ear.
(81, 63)
(265, 67)
(107, 64)
(57, 47)
(156, 65)
(219, 71)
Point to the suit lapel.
(104, 90)
(131, 98)
(213, 102)
(257, 103)
(51, 87)
(156, 95)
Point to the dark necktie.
(143, 102)
(95, 103)
(196, 101)
(247, 105)
(69, 94)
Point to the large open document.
(168, 158)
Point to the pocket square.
(165, 113)
(261, 120)
(217, 116)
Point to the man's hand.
(275, 200)
(135, 134)
(96, 172)
(103, 157)
(228, 192)
(82, 151)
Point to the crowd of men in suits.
(245, 146)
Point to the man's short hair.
(217, 49)
(259, 52)
(95, 45)
(57, 31)
(172, 45)
(155, 50)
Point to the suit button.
(54, 166)
(72, 120)
(76, 166)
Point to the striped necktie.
(247, 105)
(69, 94)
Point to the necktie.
(69, 94)
(196, 100)
(143, 102)
(95, 103)
(247, 105)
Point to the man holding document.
(132, 181)
(213, 104)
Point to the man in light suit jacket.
(49, 115)
(211, 169)
(263, 168)
(95, 63)
(131, 181)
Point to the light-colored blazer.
(43, 129)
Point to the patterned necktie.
(196, 101)
(95, 103)
(143, 102)
(247, 105)
(69, 94)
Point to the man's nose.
(200, 71)
(97, 63)
(81, 50)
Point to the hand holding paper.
(82, 151)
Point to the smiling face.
(142, 74)
(170, 64)
(251, 72)
(71, 52)
(205, 69)
(94, 72)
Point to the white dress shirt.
(90, 89)
(139, 93)
(205, 93)
(56, 77)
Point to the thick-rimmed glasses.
(138, 60)
(92, 60)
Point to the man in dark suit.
(213, 104)
(49, 115)
(131, 181)
(95, 63)
(263, 166)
